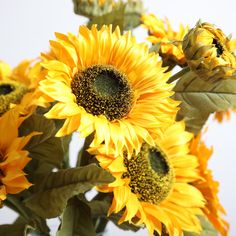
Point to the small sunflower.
(153, 187)
(108, 84)
(13, 158)
(18, 87)
(209, 187)
(209, 52)
(160, 31)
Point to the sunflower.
(13, 158)
(170, 41)
(209, 52)
(19, 87)
(108, 84)
(153, 187)
(209, 187)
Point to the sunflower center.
(103, 90)
(151, 176)
(5, 89)
(219, 47)
(10, 92)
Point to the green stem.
(178, 74)
(17, 205)
(84, 158)
(101, 225)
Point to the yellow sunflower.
(13, 158)
(160, 31)
(108, 84)
(209, 187)
(209, 52)
(152, 187)
(19, 86)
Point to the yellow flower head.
(170, 41)
(108, 84)
(209, 187)
(19, 86)
(13, 158)
(152, 187)
(209, 52)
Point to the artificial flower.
(208, 186)
(153, 187)
(161, 32)
(209, 52)
(107, 84)
(13, 157)
(18, 87)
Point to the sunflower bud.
(91, 8)
(208, 54)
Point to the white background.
(27, 25)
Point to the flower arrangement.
(141, 110)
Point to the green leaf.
(200, 98)
(207, 229)
(27, 217)
(99, 208)
(76, 220)
(18, 228)
(45, 147)
(54, 190)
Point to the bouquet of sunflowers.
(140, 111)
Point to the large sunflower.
(160, 31)
(108, 84)
(19, 86)
(209, 187)
(12, 156)
(153, 187)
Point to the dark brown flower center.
(103, 90)
(6, 89)
(10, 92)
(151, 176)
(219, 47)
